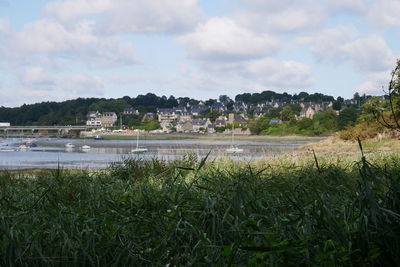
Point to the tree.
(290, 112)
(337, 105)
(210, 102)
(387, 111)
(224, 99)
(327, 121)
(258, 125)
(208, 113)
(348, 117)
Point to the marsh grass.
(199, 212)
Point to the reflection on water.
(51, 153)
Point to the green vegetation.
(137, 122)
(193, 212)
(73, 112)
(284, 97)
(380, 115)
(326, 122)
(210, 114)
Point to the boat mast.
(233, 134)
(137, 139)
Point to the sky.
(58, 50)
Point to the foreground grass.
(194, 212)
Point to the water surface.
(51, 153)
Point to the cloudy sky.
(57, 50)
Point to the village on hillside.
(218, 117)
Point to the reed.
(200, 212)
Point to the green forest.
(73, 112)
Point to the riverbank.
(176, 136)
(197, 212)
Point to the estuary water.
(51, 153)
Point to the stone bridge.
(42, 131)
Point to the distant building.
(200, 125)
(148, 116)
(166, 126)
(259, 111)
(97, 119)
(184, 127)
(210, 129)
(220, 122)
(93, 119)
(131, 111)
(108, 119)
(240, 106)
(170, 114)
(196, 110)
(218, 107)
(240, 118)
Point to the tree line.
(73, 112)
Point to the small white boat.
(69, 145)
(233, 149)
(138, 149)
(6, 149)
(23, 147)
(85, 147)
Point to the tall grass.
(195, 212)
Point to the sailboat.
(85, 147)
(69, 145)
(138, 149)
(23, 146)
(233, 148)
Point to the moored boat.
(98, 137)
(85, 147)
(69, 145)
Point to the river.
(51, 153)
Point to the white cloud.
(37, 84)
(35, 75)
(121, 16)
(39, 79)
(82, 85)
(282, 16)
(248, 76)
(370, 54)
(224, 39)
(4, 25)
(366, 54)
(49, 37)
(326, 44)
(280, 74)
(374, 83)
(384, 13)
(355, 6)
(73, 9)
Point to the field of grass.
(195, 212)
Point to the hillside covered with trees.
(73, 112)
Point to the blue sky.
(57, 50)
